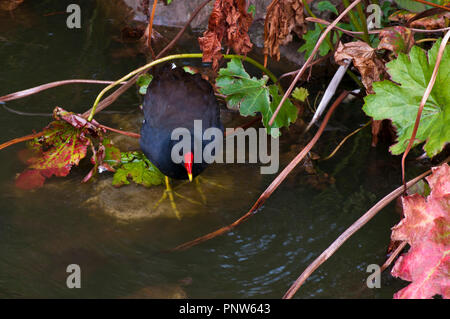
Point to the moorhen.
(174, 99)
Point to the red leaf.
(426, 227)
(54, 153)
(30, 179)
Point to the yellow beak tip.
(190, 177)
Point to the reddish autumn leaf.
(283, 17)
(426, 227)
(229, 22)
(54, 153)
(427, 266)
(30, 179)
(105, 158)
(397, 39)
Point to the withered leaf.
(229, 22)
(397, 39)
(283, 17)
(436, 21)
(364, 59)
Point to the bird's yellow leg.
(201, 179)
(190, 200)
(172, 201)
(169, 193)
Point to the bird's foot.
(170, 194)
(199, 180)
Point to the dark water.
(43, 231)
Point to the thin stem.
(426, 40)
(344, 140)
(363, 19)
(433, 4)
(21, 139)
(352, 33)
(352, 16)
(308, 9)
(173, 57)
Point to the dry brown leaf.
(397, 39)
(364, 59)
(229, 21)
(283, 17)
(434, 22)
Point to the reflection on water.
(43, 231)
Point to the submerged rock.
(159, 292)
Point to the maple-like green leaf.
(300, 94)
(137, 167)
(400, 103)
(252, 95)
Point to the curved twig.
(344, 140)
(433, 5)
(272, 187)
(43, 87)
(351, 33)
(21, 139)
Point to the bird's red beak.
(188, 160)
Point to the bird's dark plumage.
(174, 99)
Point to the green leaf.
(415, 6)
(112, 154)
(143, 81)
(311, 37)
(327, 6)
(411, 5)
(400, 103)
(300, 94)
(137, 167)
(252, 9)
(252, 95)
